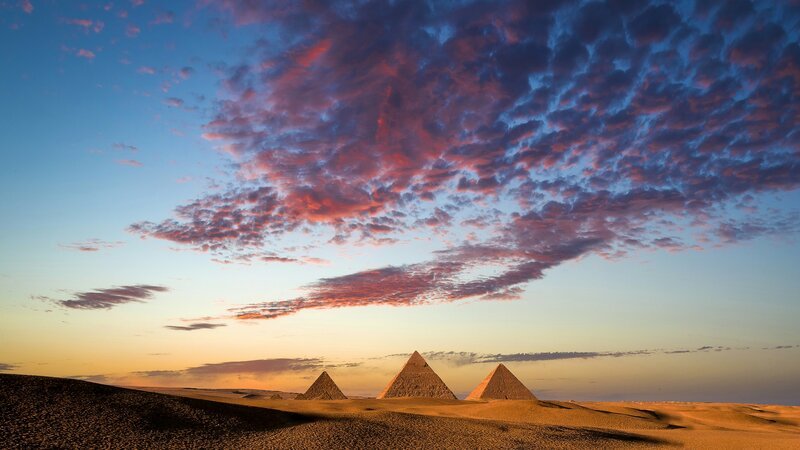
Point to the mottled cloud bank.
(526, 133)
(195, 326)
(110, 297)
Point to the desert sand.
(46, 412)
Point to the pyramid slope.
(501, 384)
(417, 379)
(323, 389)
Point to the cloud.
(465, 358)
(132, 30)
(147, 70)
(129, 162)
(186, 72)
(174, 102)
(578, 122)
(255, 366)
(87, 24)
(83, 53)
(125, 147)
(92, 245)
(5, 367)
(195, 326)
(92, 378)
(27, 6)
(164, 17)
(110, 297)
(781, 347)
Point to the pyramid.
(322, 389)
(417, 379)
(501, 384)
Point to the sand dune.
(40, 412)
(695, 425)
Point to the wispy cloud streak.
(195, 326)
(465, 358)
(110, 297)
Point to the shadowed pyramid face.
(323, 389)
(417, 379)
(501, 384)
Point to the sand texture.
(501, 384)
(417, 379)
(323, 388)
(40, 412)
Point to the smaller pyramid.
(417, 379)
(322, 389)
(276, 397)
(501, 384)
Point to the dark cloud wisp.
(464, 358)
(255, 366)
(195, 326)
(109, 297)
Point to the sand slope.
(694, 425)
(41, 412)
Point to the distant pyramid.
(322, 389)
(276, 397)
(417, 379)
(501, 384)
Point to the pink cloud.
(92, 245)
(86, 24)
(129, 162)
(174, 102)
(132, 30)
(83, 53)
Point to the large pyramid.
(322, 389)
(417, 379)
(501, 384)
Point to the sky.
(604, 196)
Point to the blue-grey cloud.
(195, 326)
(109, 298)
